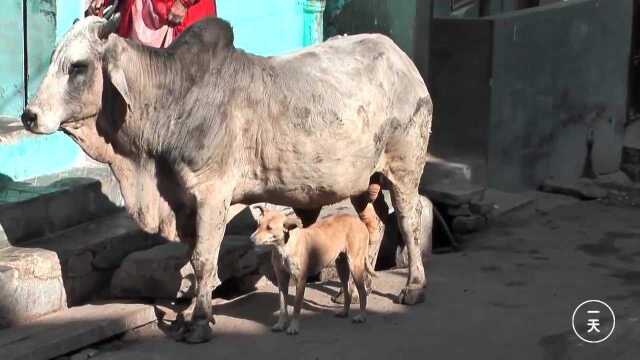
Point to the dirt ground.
(509, 294)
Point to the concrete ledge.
(71, 330)
(43, 210)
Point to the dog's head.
(273, 227)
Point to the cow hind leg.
(404, 196)
(373, 211)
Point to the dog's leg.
(283, 290)
(357, 271)
(342, 266)
(301, 284)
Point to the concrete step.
(72, 329)
(47, 205)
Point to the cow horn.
(110, 26)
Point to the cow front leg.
(211, 214)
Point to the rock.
(606, 151)
(462, 210)
(468, 224)
(84, 354)
(481, 208)
(632, 135)
(616, 178)
(633, 171)
(583, 188)
(242, 221)
(631, 163)
(30, 285)
(164, 271)
(453, 193)
(439, 170)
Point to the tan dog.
(297, 252)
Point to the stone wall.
(557, 88)
(406, 22)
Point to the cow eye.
(78, 68)
(269, 228)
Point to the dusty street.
(509, 294)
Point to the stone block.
(453, 193)
(583, 188)
(30, 285)
(632, 135)
(164, 271)
(606, 152)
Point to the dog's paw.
(359, 319)
(293, 328)
(279, 326)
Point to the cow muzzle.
(32, 121)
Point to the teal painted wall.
(11, 58)
(264, 27)
(34, 156)
(67, 11)
(261, 27)
(47, 20)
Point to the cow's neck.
(86, 135)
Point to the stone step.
(67, 268)
(72, 329)
(89, 253)
(47, 205)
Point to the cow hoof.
(339, 299)
(409, 296)
(199, 332)
(342, 314)
(359, 319)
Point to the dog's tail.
(369, 268)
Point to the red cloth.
(197, 11)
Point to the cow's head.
(72, 87)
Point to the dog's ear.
(260, 208)
(292, 222)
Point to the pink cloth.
(147, 26)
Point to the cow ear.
(119, 81)
(112, 64)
